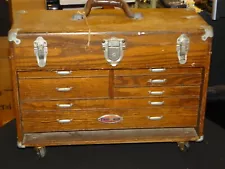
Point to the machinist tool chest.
(109, 76)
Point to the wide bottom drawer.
(108, 119)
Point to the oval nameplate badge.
(110, 118)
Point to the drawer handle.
(156, 92)
(66, 89)
(156, 103)
(155, 118)
(64, 120)
(157, 81)
(63, 72)
(157, 69)
(65, 105)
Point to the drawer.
(158, 80)
(181, 91)
(62, 74)
(157, 71)
(108, 104)
(63, 88)
(108, 119)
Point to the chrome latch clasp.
(41, 51)
(113, 50)
(182, 48)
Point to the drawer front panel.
(48, 89)
(157, 80)
(110, 119)
(181, 91)
(63, 73)
(108, 104)
(158, 71)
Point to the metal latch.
(40, 51)
(182, 48)
(113, 50)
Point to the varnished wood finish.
(6, 107)
(16, 100)
(48, 89)
(109, 104)
(101, 89)
(16, 6)
(204, 92)
(177, 91)
(160, 53)
(164, 80)
(88, 120)
(112, 20)
(110, 136)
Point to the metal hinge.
(40, 51)
(182, 48)
(113, 50)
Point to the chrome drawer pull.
(157, 81)
(155, 118)
(66, 89)
(157, 69)
(63, 72)
(64, 120)
(65, 105)
(156, 103)
(156, 92)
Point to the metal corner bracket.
(12, 36)
(20, 145)
(208, 32)
(201, 138)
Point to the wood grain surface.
(109, 104)
(88, 120)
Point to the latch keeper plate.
(182, 48)
(113, 50)
(41, 51)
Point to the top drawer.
(52, 85)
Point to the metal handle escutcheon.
(157, 81)
(63, 72)
(64, 89)
(64, 120)
(157, 69)
(64, 105)
(155, 117)
(156, 103)
(156, 92)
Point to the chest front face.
(110, 80)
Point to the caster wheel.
(41, 152)
(184, 146)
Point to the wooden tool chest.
(109, 76)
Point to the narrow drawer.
(108, 104)
(158, 80)
(181, 91)
(157, 71)
(62, 73)
(108, 119)
(63, 88)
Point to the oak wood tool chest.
(109, 76)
